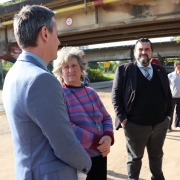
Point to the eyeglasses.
(67, 68)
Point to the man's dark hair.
(28, 23)
(144, 40)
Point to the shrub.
(93, 65)
(95, 75)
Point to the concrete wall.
(171, 49)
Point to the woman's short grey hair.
(65, 55)
(28, 23)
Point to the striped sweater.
(85, 111)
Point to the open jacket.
(124, 89)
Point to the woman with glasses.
(89, 119)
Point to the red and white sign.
(69, 21)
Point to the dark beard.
(143, 60)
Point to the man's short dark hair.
(144, 40)
(28, 23)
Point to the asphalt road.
(98, 85)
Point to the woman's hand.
(104, 147)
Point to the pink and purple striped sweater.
(84, 111)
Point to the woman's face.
(71, 72)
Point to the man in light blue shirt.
(45, 145)
(174, 80)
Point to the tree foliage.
(93, 65)
(177, 39)
(95, 75)
(8, 3)
(170, 61)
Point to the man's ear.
(44, 33)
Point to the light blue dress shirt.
(40, 60)
(149, 68)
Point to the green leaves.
(96, 75)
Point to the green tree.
(5, 67)
(113, 66)
(101, 66)
(10, 3)
(170, 61)
(177, 39)
(93, 65)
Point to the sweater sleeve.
(106, 121)
(86, 138)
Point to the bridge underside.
(119, 33)
(161, 50)
(120, 21)
(111, 21)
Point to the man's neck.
(37, 52)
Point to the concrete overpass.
(165, 50)
(84, 22)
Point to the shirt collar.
(40, 60)
(141, 66)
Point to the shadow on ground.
(117, 175)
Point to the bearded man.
(141, 98)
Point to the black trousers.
(175, 101)
(98, 170)
(137, 138)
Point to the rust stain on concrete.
(175, 1)
(162, 7)
(125, 8)
(144, 8)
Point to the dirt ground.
(117, 157)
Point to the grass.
(108, 76)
